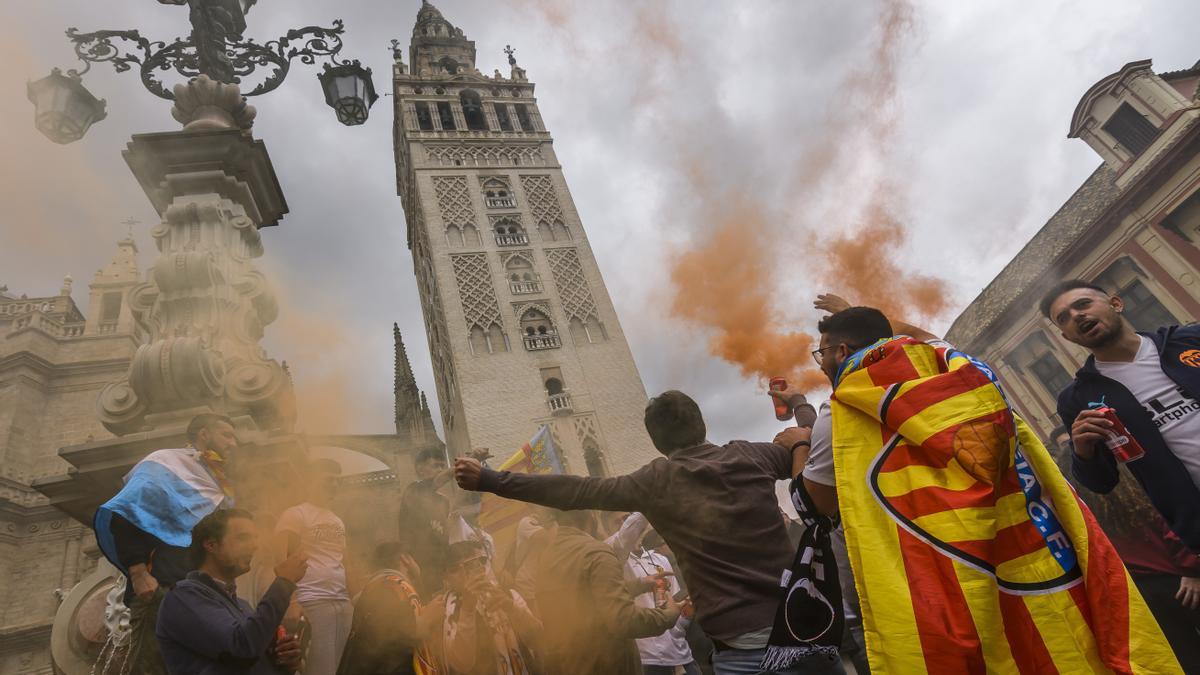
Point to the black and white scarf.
(810, 618)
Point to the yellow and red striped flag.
(971, 552)
(500, 516)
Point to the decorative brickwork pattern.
(454, 201)
(573, 290)
(484, 155)
(475, 288)
(543, 202)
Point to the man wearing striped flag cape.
(145, 530)
(970, 551)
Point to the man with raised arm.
(715, 505)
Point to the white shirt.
(670, 648)
(1176, 415)
(819, 467)
(323, 537)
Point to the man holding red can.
(1134, 402)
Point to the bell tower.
(521, 328)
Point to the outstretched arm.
(621, 493)
(835, 303)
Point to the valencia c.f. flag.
(971, 553)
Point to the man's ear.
(843, 351)
(1117, 303)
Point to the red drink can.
(1123, 446)
(782, 412)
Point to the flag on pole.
(971, 552)
(500, 516)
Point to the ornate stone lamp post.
(215, 49)
(203, 308)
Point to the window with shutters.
(1036, 360)
(1129, 128)
(1125, 279)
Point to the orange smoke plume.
(723, 283)
(863, 268)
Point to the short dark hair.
(1062, 287)
(387, 553)
(428, 454)
(858, 327)
(203, 421)
(213, 526)
(673, 421)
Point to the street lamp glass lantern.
(349, 91)
(63, 107)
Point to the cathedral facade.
(522, 332)
(56, 357)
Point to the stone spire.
(411, 409)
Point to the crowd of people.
(934, 532)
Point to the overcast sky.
(641, 98)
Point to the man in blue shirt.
(205, 629)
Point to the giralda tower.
(521, 329)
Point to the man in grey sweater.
(714, 505)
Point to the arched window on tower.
(470, 235)
(502, 116)
(523, 118)
(522, 280)
(488, 341)
(445, 115)
(538, 331)
(449, 65)
(594, 458)
(472, 107)
(424, 119)
(509, 233)
(497, 195)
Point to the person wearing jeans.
(322, 593)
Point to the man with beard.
(205, 629)
(1151, 380)
(146, 528)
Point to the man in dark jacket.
(1151, 380)
(590, 619)
(205, 629)
(384, 633)
(714, 505)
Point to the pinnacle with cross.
(129, 223)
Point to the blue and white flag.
(165, 495)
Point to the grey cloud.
(987, 91)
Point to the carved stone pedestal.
(204, 307)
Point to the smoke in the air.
(741, 277)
